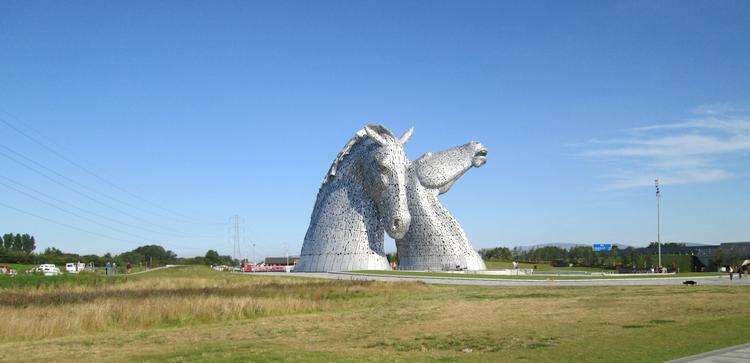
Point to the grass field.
(19, 267)
(196, 314)
(83, 278)
(501, 265)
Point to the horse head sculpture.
(442, 169)
(362, 196)
(435, 240)
(385, 178)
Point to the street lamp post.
(658, 220)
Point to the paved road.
(663, 281)
(740, 353)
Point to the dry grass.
(106, 314)
(149, 302)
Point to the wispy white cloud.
(677, 153)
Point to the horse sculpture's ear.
(406, 136)
(375, 136)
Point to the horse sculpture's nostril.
(396, 224)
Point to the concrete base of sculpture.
(333, 262)
(464, 261)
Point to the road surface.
(654, 281)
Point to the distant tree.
(666, 244)
(547, 253)
(157, 253)
(8, 241)
(719, 258)
(28, 243)
(17, 242)
(497, 253)
(649, 261)
(129, 257)
(629, 257)
(212, 258)
(733, 257)
(52, 251)
(613, 256)
(625, 260)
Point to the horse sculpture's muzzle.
(480, 155)
(398, 227)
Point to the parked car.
(49, 269)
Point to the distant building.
(742, 248)
(282, 261)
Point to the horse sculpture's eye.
(382, 169)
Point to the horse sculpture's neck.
(344, 198)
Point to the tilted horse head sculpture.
(440, 170)
(362, 196)
(435, 240)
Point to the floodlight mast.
(658, 220)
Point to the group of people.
(731, 269)
(111, 268)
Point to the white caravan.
(49, 269)
(74, 268)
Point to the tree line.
(19, 248)
(18, 242)
(630, 257)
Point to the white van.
(74, 268)
(49, 269)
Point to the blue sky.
(171, 117)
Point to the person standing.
(106, 268)
(731, 273)
(129, 267)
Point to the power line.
(72, 205)
(86, 230)
(73, 181)
(79, 192)
(89, 171)
(72, 213)
(63, 224)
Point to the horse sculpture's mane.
(359, 136)
(356, 139)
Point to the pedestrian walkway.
(736, 354)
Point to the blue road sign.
(602, 246)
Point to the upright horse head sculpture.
(362, 196)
